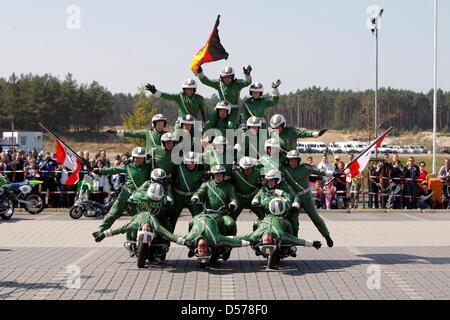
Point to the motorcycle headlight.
(25, 189)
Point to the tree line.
(69, 106)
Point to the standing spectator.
(337, 158)
(444, 175)
(118, 179)
(329, 195)
(30, 168)
(47, 166)
(384, 171)
(61, 179)
(410, 172)
(104, 158)
(355, 188)
(18, 165)
(348, 182)
(374, 183)
(100, 184)
(340, 185)
(423, 175)
(395, 187)
(325, 166)
(426, 195)
(318, 196)
(312, 178)
(5, 165)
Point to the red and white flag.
(358, 166)
(66, 157)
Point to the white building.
(26, 140)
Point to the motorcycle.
(148, 248)
(209, 244)
(14, 194)
(89, 208)
(270, 244)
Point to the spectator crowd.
(18, 165)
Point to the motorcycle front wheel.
(35, 204)
(6, 208)
(76, 212)
(273, 259)
(142, 254)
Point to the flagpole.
(435, 87)
(362, 153)
(60, 141)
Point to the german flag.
(211, 51)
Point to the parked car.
(334, 148)
(423, 149)
(303, 147)
(445, 150)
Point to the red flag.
(66, 157)
(358, 166)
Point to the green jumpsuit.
(277, 226)
(152, 136)
(299, 180)
(228, 92)
(185, 184)
(214, 122)
(216, 195)
(162, 158)
(284, 191)
(135, 177)
(147, 211)
(208, 227)
(288, 137)
(252, 145)
(246, 187)
(213, 158)
(268, 162)
(257, 108)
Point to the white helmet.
(254, 122)
(187, 119)
(277, 207)
(189, 84)
(155, 191)
(168, 136)
(273, 143)
(158, 174)
(246, 163)
(138, 152)
(277, 120)
(226, 71)
(256, 87)
(159, 117)
(273, 174)
(217, 169)
(220, 140)
(223, 105)
(191, 157)
(294, 154)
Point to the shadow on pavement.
(26, 287)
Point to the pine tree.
(141, 117)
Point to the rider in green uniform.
(273, 159)
(297, 175)
(250, 143)
(219, 119)
(137, 172)
(148, 200)
(246, 182)
(152, 136)
(188, 101)
(288, 135)
(273, 227)
(217, 193)
(257, 105)
(228, 87)
(219, 155)
(161, 156)
(189, 176)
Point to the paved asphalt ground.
(404, 255)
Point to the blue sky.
(124, 44)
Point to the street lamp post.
(373, 24)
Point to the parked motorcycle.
(90, 208)
(14, 194)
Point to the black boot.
(330, 242)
